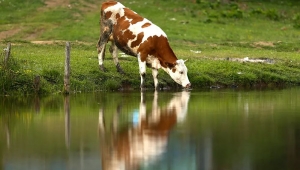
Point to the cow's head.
(178, 73)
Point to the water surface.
(207, 130)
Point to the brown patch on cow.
(118, 16)
(108, 4)
(132, 15)
(170, 65)
(158, 47)
(128, 35)
(174, 70)
(122, 24)
(122, 35)
(138, 40)
(107, 14)
(146, 25)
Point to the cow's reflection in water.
(147, 139)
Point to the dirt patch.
(60, 42)
(81, 5)
(48, 42)
(87, 7)
(9, 33)
(35, 34)
(56, 3)
(245, 60)
(263, 44)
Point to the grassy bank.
(214, 36)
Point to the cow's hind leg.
(106, 29)
(114, 52)
(101, 52)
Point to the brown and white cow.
(139, 37)
(145, 141)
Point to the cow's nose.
(188, 85)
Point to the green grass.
(238, 29)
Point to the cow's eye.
(181, 72)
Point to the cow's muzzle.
(188, 86)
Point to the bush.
(112, 84)
(272, 14)
(52, 76)
(16, 79)
(296, 21)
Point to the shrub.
(296, 21)
(52, 76)
(14, 78)
(111, 84)
(272, 14)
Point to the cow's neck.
(167, 56)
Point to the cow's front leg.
(142, 68)
(106, 29)
(114, 52)
(154, 74)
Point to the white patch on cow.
(129, 20)
(153, 61)
(151, 30)
(142, 65)
(100, 56)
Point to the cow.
(145, 141)
(138, 37)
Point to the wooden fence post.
(36, 83)
(67, 69)
(7, 54)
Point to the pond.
(215, 129)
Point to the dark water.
(203, 130)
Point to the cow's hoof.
(102, 68)
(120, 70)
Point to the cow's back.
(130, 30)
